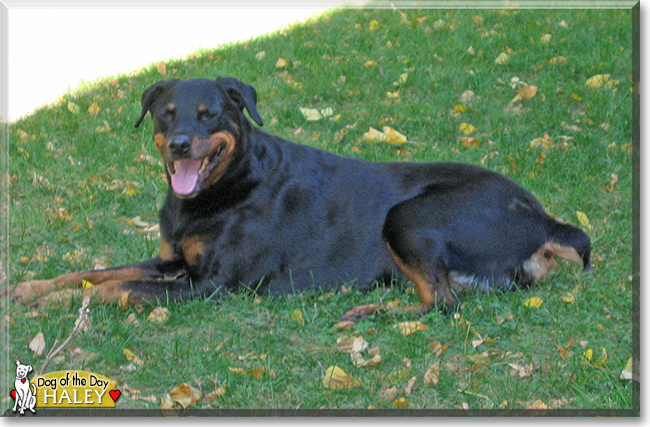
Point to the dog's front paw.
(360, 312)
(28, 293)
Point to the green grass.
(75, 181)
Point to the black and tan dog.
(248, 209)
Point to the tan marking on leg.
(109, 292)
(31, 292)
(192, 247)
(428, 288)
(543, 260)
(166, 251)
(360, 311)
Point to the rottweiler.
(249, 210)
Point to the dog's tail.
(569, 243)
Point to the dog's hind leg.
(419, 252)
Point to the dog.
(25, 396)
(248, 210)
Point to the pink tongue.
(187, 173)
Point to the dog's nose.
(180, 144)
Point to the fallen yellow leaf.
(73, 108)
(185, 395)
(408, 328)
(558, 60)
(602, 359)
(336, 377)
(93, 109)
(584, 220)
(569, 298)
(374, 135)
(538, 404)
(467, 128)
(159, 315)
(394, 137)
(545, 142)
(130, 356)
(502, 59)
(533, 302)
(401, 403)
(296, 316)
(627, 373)
(469, 142)
(524, 93)
(86, 284)
(597, 81)
(311, 114)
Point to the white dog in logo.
(24, 393)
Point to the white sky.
(53, 50)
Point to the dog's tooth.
(203, 166)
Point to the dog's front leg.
(37, 291)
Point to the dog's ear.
(243, 95)
(151, 94)
(29, 368)
(17, 362)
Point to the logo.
(62, 389)
(24, 392)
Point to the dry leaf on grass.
(432, 375)
(37, 344)
(564, 351)
(502, 319)
(522, 371)
(130, 356)
(350, 344)
(185, 395)
(336, 377)
(159, 315)
(346, 325)
(584, 220)
(533, 302)
(408, 328)
(627, 373)
(401, 403)
(297, 317)
(214, 395)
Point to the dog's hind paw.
(359, 313)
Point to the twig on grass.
(80, 325)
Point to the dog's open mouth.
(187, 175)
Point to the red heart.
(13, 394)
(114, 394)
(23, 380)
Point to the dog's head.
(22, 370)
(198, 126)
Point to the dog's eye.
(204, 116)
(168, 115)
